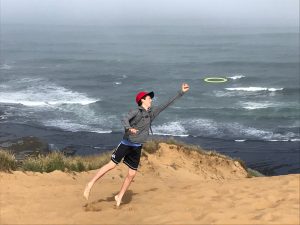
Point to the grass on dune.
(53, 161)
(58, 161)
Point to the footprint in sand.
(266, 217)
(92, 207)
(152, 189)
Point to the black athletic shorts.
(131, 155)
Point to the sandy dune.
(171, 187)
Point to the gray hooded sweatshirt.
(141, 119)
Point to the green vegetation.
(51, 162)
(7, 161)
(152, 146)
(254, 173)
(58, 161)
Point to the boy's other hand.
(133, 130)
(185, 87)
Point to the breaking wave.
(254, 89)
(38, 92)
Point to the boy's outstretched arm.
(157, 109)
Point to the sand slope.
(171, 187)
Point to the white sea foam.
(38, 92)
(80, 118)
(3, 117)
(14, 99)
(5, 67)
(85, 114)
(73, 126)
(275, 89)
(296, 124)
(245, 91)
(172, 128)
(168, 134)
(242, 140)
(258, 105)
(295, 139)
(211, 128)
(254, 89)
(99, 131)
(236, 77)
(3, 86)
(276, 140)
(224, 94)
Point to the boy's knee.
(131, 173)
(112, 165)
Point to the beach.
(171, 187)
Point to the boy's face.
(147, 102)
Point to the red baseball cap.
(142, 94)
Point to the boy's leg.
(132, 160)
(131, 174)
(103, 170)
(116, 157)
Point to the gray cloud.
(118, 12)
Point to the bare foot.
(118, 201)
(87, 190)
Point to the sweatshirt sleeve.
(158, 109)
(125, 120)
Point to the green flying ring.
(215, 79)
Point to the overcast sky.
(151, 12)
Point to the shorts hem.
(129, 165)
(116, 162)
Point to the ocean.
(71, 85)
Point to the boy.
(137, 124)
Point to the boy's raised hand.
(185, 87)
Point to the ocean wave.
(259, 105)
(86, 115)
(236, 77)
(117, 83)
(221, 94)
(289, 91)
(212, 129)
(295, 139)
(204, 128)
(3, 117)
(32, 103)
(255, 64)
(36, 92)
(5, 67)
(3, 86)
(168, 134)
(246, 91)
(254, 89)
(172, 128)
(69, 125)
(276, 140)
